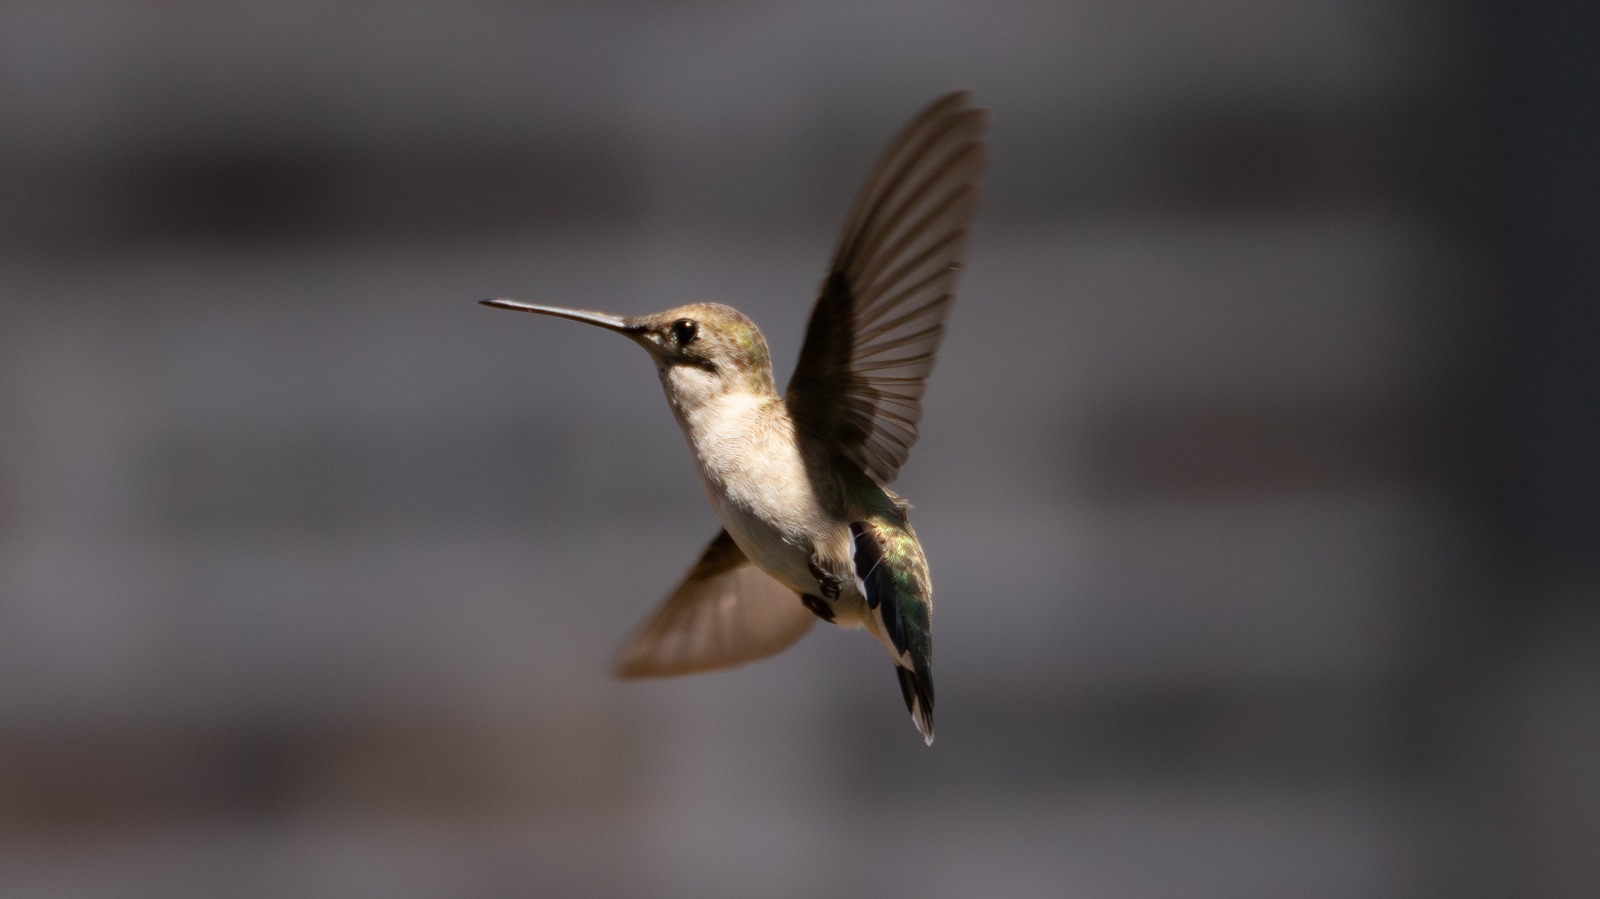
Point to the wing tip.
(958, 99)
(649, 668)
(957, 103)
(627, 667)
(633, 664)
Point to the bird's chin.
(689, 386)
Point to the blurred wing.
(726, 612)
(872, 337)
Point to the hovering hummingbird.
(800, 479)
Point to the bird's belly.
(787, 555)
(753, 472)
(782, 552)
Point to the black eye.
(685, 331)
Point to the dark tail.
(918, 691)
(897, 594)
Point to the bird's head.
(699, 349)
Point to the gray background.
(1257, 475)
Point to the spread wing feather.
(878, 321)
(726, 612)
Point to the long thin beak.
(609, 322)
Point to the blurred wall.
(1257, 476)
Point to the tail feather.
(894, 581)
(918, 693)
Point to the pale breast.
(751, 467)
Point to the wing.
(880, 317)
(726, 612)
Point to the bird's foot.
(818, 607)
(831, 583)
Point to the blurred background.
(1258, 475)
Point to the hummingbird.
(800, 480)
